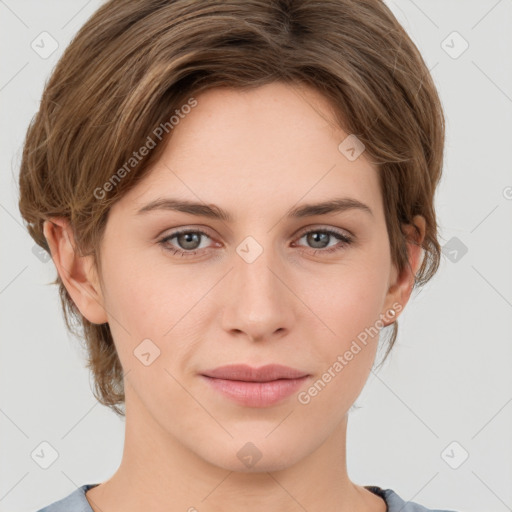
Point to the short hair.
(135, 63)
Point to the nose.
(258, 304)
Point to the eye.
(189, 241)
(319, 238)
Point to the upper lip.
(248, 373)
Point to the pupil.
(190, 238)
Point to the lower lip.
(256, 394)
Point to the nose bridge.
(258, 303)
(253, 268)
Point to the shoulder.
(74, 502)
(396, 504)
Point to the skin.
(255, 154)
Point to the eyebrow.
(212, 211)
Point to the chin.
(242, 455)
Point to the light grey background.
(449, 377)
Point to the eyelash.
(345, 241)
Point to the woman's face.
(254, 289)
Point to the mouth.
(255, 387)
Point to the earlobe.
(77, 272)
(400, 291)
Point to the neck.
(158, 473)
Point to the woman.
(238, 197)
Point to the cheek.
(133, 301)
(157, 303)
(348, 302)
(347, 299)
(350, 308)
(148, 320)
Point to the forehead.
(271, 145)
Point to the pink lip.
(255, 387)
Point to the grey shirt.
(77, 502)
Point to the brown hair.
(134, 63)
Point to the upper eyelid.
(340, 231)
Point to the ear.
(401, 287)
(77, 272)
